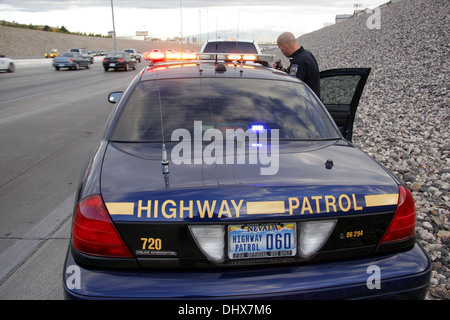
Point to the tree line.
(61, 29)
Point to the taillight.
(93, 231)
(120, 59)
(403, 224)
(71, 60)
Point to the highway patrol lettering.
(319, 204)
(235, 208)
(170, 209)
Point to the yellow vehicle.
(52, 54)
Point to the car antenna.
(181, 25)
(237, 42)
(164, 160)
(237, 31)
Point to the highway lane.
(50, 121)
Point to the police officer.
(303, 65)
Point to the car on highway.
(134, 53)
(83, 52)
(232, 180)
(7, 64)
(71, 61)
(51, 54)
(119, 60)
(230, 46)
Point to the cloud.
(50, 5)
(260, 19)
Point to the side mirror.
(113, 97)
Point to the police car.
(222, 178)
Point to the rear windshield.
(115, 54)
(230, 47)
(222, 104)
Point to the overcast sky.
(171, 18)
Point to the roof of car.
(210, 69)
(227, 40)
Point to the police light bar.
(181, 56)
(154, 56)
(239, 57)
(173, 56)
(233, 57)
(189, 56)
(159, 56)
(260, 58)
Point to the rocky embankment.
(404, 115)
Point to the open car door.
(340, 91)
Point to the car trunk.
(329, 182)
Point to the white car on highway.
(6, 64)
(230, 46)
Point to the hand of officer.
(277, 65)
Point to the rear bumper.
(117, 65)
(64, 64)
(404, 275)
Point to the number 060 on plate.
(262, 240)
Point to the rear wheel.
(11, 68)
(106, 69)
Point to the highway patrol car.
(222, 178)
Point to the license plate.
(266, 240)
(112, 64)
(62, 65)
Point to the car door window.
(338, 90)
(341, 90)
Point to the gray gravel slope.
(404, 115)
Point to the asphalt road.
(50, 121)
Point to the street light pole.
(114, 27)
(181, 25)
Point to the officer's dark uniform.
(304, 66)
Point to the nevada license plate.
(262, 240)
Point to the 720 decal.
(151, 244)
